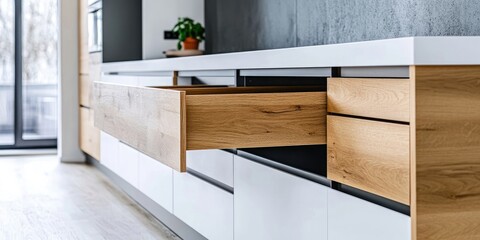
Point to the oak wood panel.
(370, 155)
(89, 134)
(85, 91)
(255, 120)
(413, 152)
(370, 97)
(150, 120)
(447, 159)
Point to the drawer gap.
(195, 90)
(368, 118)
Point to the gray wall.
(161, 15)
(240, 25)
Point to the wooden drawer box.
(164, 122)
(370, 97)
(370, 155)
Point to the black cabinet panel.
(122, 30)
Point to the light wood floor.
(43, 199)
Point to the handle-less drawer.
(370, 97)
(215, 164)
(165, 122)
(370, 155)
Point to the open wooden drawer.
(165, 122)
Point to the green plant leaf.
(187, 27)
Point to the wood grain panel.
(150, 120)
(255, 120)
(370, 155)
(370, 97)
(447, 157)
(85, 91)
(89, 134)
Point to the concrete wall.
(161, 15)
(234, 25)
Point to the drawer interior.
(164, 122)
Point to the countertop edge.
(389, 52)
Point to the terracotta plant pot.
(190, 44)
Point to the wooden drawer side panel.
(146, 119)
(370, 155)
(256, 120)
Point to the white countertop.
(389, 52)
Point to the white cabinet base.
(216, 164)
(205, 207)
(353, 218)
(156, 181)
(127, 166)
(109, 151)
(270, 204)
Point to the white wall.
(161, 15)
(68, 115)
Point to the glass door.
(7, 72)
(33, 118)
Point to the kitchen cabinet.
(127, 166)
(271, 204)
(353, 218)
(89, 134)
(156, 181)
(203, 206)
(370, 155)
(215, 164)
(109, 151)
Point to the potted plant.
(189, 32)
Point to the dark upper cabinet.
(122, 30)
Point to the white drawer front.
(121, 79)
(205, 207)
(156, 181)
(128, 164)
(271, 204)
(155, 81)
(216, 164)
(109, 151)
(353, 218)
